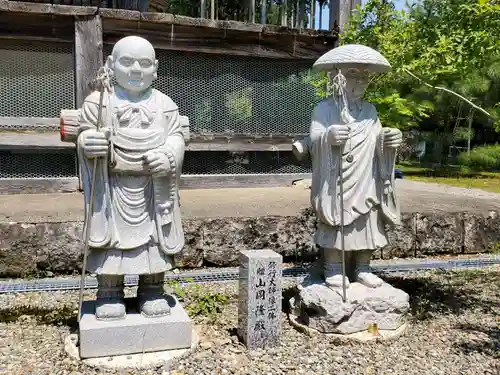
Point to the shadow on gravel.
(489, 345)
(448, 292)
(64, 315)
(287, 294)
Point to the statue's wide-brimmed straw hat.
(352, 56)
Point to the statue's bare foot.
(154, 306)
(334, 280)
(110, 309)
(369, 279)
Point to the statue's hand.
(95, 144)
(338, 135)
(156, 162)
(393, 138)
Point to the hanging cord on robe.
(165, 209)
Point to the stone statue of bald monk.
(136, 224)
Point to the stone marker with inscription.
(259, 310)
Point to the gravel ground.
(455, 330)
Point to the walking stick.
(338, 84)
(103, 79)
(342, 240)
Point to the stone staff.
(105, 84)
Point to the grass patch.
(453, 176)
(199, 301)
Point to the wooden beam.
(88, 54)
(241, 180)
(167, 31)
(333, 7)
(344, 12)
(229, 41)
(263, 12)
(188, 182)
(284, 13)
(203, 9)
(17, 139)
(26, 123)
(38, 185)
(251, 11)
(45, 8)
(147, 17)
(313, 15)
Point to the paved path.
(285, 201)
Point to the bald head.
(133, 45)
(133, 62)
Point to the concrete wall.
(38, 249)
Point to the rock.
(304, 184)
(192, 253)
(28, 249)
(322, 308)
(224, 238)
(206, 345)
(60, 247)
(480, 233)
(401, 238)
(438, 234)
(18, 248)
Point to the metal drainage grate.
(232, 274)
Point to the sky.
(400, 4)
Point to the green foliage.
(206, 303)
(177, 288)
(448, 43)
(199, 301)
(485, 158)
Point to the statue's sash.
(129, 146)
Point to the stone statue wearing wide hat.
(353, 196)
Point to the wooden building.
(246, 88)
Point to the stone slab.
(134, 334)
(140, 361)
(259, 307)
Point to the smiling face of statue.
(357, 81)
(133, 63)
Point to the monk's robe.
(369, 198)
(136, 222)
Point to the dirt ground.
(281, 201)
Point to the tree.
(448, 43)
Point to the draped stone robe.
(370, 201)
(136, 222)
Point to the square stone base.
(134, 334)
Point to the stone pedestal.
(134, 334)
(259, 310)
(321, 308)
